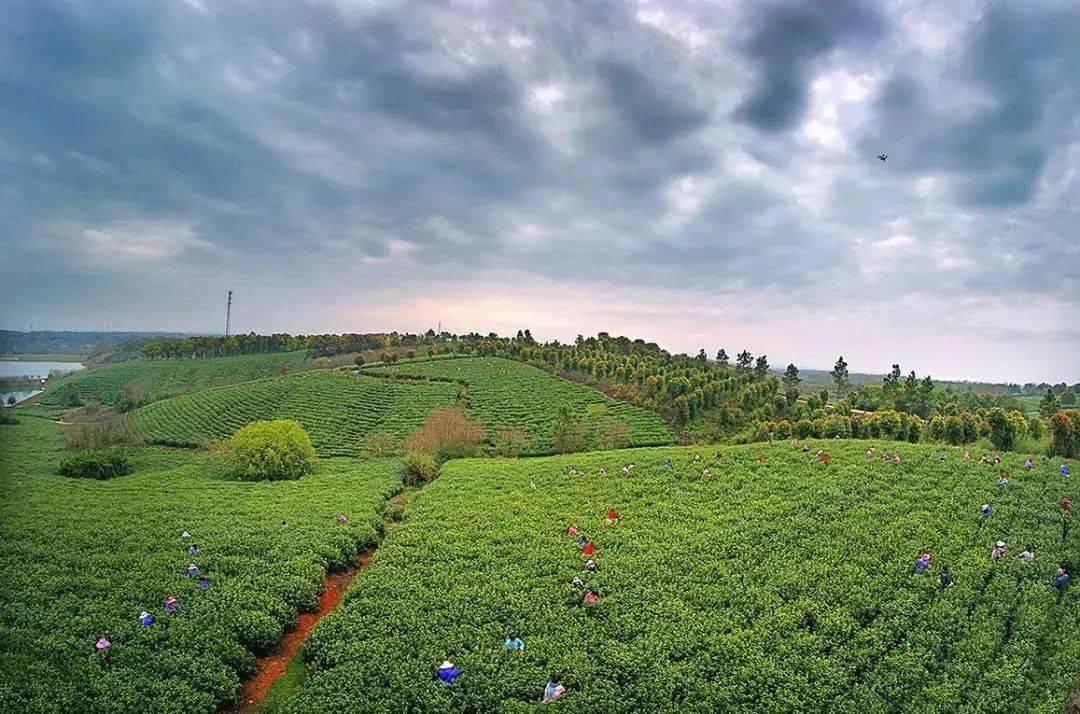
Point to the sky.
(699, 174)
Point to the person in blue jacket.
(448, 672)
(515, 643)
(1061, 582)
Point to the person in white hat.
(999, 550)
(448, 672)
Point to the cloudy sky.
(696, 173)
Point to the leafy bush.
(271, 450)
(6, 418)
(447, 433)
(510, 441)
(94, 428)
(98, 464)
(420, 468)
(380, 444)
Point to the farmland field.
(505, 393)
(82, 559)
(164, 378)
(337, 409)
(784, 585)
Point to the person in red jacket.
(613, 516)
(1066, 506)
(589, 548)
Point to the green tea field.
(504, 393)
(781, 585)
(337, 409)
(82, 560)
(158, 379)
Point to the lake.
(15, 368)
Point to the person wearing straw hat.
(448, 672)
(999, 550)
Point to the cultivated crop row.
(158, 379)
(504, 393)
(338, 410)
(82, 561)
(730, 584)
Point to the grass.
(81, 560)
(159, 379)
(337, 409)
(505, 393)
(784, 585)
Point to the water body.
(19, 394)
(35, 369)
(15, 368)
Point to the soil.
(272, 666)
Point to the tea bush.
(270, 450)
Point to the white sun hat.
(1001, 544)
(446, 664)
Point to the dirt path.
(271, 667)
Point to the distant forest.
(64, 342)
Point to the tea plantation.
(504, 393)
(782, 585)
(81, 560)
(158, 379)
(337, 409)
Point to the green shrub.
(271, 450)
(97, 464)
(6, 418)
(420, 467)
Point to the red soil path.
(269, 668)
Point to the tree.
(1063, 438)
(1002, 432)
(761, 366)
(841, 377)
(744, 359)
(1049, 404)
(891, 382)
(722, 358)
(1068, 397)
(701, 356)
(791, 378)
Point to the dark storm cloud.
(1018, 70)
(155, 152)
(787, 38)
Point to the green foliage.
(99, 464)
(131, 384)
(783, 585)
(420, 468)
(1064, 435)
(270, 450)
(1050, 404)
(82, 559)
(1003, 429)
(8, 419)
(338, 410)
(504, 393)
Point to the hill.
(337, 409)
(505, 393)
(784, 585)
(81, 561)
(146, 381)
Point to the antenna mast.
(228, 314)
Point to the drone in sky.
(883, 157)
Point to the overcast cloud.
(700, 174)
